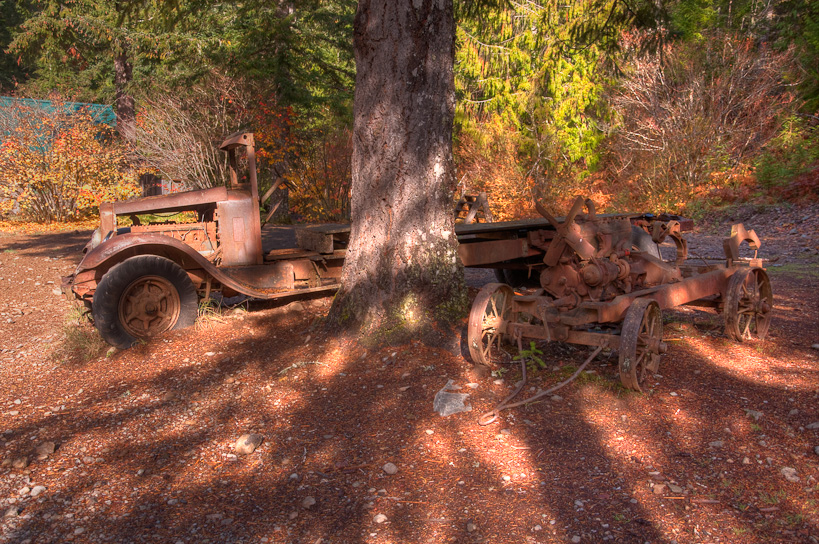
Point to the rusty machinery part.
(748, 304)
(641, 343)
(141, 297)
(488, 318)
(493, 414)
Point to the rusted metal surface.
(222, 251)
(603, 282)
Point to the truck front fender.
(102, 258)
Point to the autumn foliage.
(57, 164)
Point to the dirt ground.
(723, 448)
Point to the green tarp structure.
(101, 113)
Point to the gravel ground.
(141, 445)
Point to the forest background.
(679, 106)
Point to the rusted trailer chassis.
(603, 284)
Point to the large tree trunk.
(402, 265)
(123, 75)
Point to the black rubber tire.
(641, 240)
(109, 295)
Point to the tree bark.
(402, 266)
(124, 101)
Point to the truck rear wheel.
(142, 297)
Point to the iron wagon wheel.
(748, 304)
(141, 297)
(487, 321)
(641, 343)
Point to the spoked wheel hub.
(488, 320)
(748, 305)
(149, 306)
(641, 343)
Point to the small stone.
(794, 412)
(816, 450)
(20, 462)
(227, 521)
(675, 488)
(659, 489)
(168, 396)
(815, 346)
(673, 394)
(746, 461)
(757, 415)
(390, 468)
(88, 460)
(248, 443)
(11, 513)
(814, 425)
(557, 398)
(172, 502)
(79, 531)
(429, 431)
(506, 478)
(789, 474)
(25, 491)
(308, 502)
(293, 515)
(38, 490)
(379, 518)
(716, 444)
(46, 448)
(499, 381)
(471, 527)
(575, 539)
(472, 385)
(538, 528)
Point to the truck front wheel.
(141, 297)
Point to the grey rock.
(789, 474)
(447, 403)
(815, 346)
(38, 490)
(379, 518)
(716, 444)
(659, 489)
(390, 468)
(11, 513)
(308, 502)
(575, 539)
(24, 491)
(46, 448)
(556, 398)
(816, 450)
(814, 425)
(471, 527)
(794, 412)
(675, 488)
(757, 415)
(20, 462)
(248, 443)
